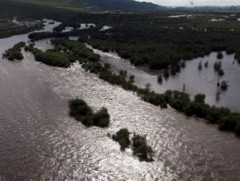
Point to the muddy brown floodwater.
(39, 141)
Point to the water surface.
(39, 141)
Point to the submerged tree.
(141, 149)
(206, 64)
(200, 66)
(122, 137)
(160, 79)
(166, 73)
(219, 55)
(83, 113)
(131, 78)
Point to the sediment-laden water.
(39, 141)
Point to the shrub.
(83, 113)
(122, 137)
(141, 149)
(199, 98)
(101, 118)
(79, 109)
(14, 53)
(160, 79)
(219, 55)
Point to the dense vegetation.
(156, 40)
(138, 144)
(14, 53)
(225, 119)
(51, 57)
(64, 53)
(83, 113)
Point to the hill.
(123, 5)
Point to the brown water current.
(39, 141)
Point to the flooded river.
(195, 81)
(39, 141)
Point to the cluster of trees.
(217, 66)
(156, 40)
(53, 58)
(43, 35)
(64, 53)
(158, 50)
(83, 113)
(225, 119)
(138, 143)
(141, 149)
(219, 55)
(122, 137)
(150, 39)
(76, 49)
(14, 53)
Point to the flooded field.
(193, 80)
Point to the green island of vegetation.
(52, 57)
(14, 53)
(83, 113)
(138, 143)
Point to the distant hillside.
(11, 8)
(127, 5)
(123, 5)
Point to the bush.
(163, 105)
(219, 55)
(199, 98)
(188, 110)
(14, 53)
(79, 109)
(166, 73)
(51, 57)
(141, 149)
(228, 123)
(83, 113)
(122, 137)
(101, 118)
(160, 79)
